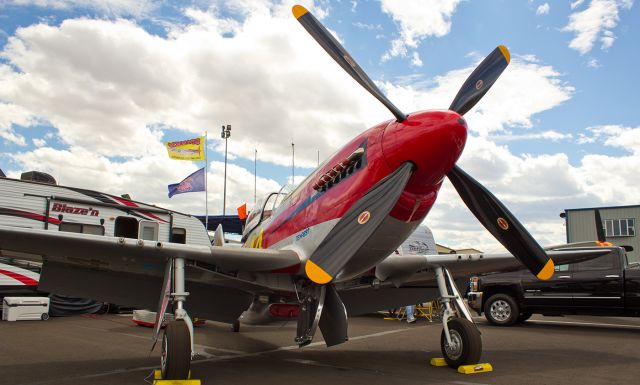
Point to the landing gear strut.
(310, 313)
(460, 340)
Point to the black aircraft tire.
(501, 309)
(176, 351)
(523, 317)
(465, 337)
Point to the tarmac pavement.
(110, 349)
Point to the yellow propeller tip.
(299, 11)
(547, 270)
(505, 52)
(316, 274)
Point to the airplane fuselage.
(431, 141)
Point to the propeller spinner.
(493, 215)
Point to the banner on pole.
(192, 183)
(190, 149)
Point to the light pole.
(225, 134)
(293, 161)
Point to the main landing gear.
(177, 341)
(460, 340)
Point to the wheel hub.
(500, 310)
(454, 349)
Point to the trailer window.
(82, 228)
(70, 227)
(178, 235)
(126, 227)
(148, 231)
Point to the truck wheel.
(501, 309)
(176, 351)
(523, 317)
(466, 344)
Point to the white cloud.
(597, 21)
(551, 135)
(537, 188)
(607, 39)
(576, 4)
(38, 142)
(417, 20)
(369, 27)
(627, 138)
(416, 61)
(527, 87)
(109, 7)
(614, 179)
(11, 115)
(110, 88)
(108, 85)
(543, 9)
(593, 63)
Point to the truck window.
(606, 262)
(561, 268)
(83, 228)
(126, 227)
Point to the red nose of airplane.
(431, 140)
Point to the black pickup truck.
(606, 285)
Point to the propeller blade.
(356, 226)
(342, 57)
(480, 80)
(496, 218)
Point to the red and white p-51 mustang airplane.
(330, 242)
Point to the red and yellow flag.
(190, 149)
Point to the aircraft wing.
(102, 251)
(402, 268)
(130, 271)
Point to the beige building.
(619, 223)
(447, 250)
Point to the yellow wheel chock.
(464, 369)
(157, 380)
(438, 361)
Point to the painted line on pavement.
(625, 326)
(200, 349)
(293, 347)
(212, 359)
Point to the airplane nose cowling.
(431, 140)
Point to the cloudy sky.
(90, 90)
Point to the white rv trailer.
(18, 277)
(133, 281)
(30, 204)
